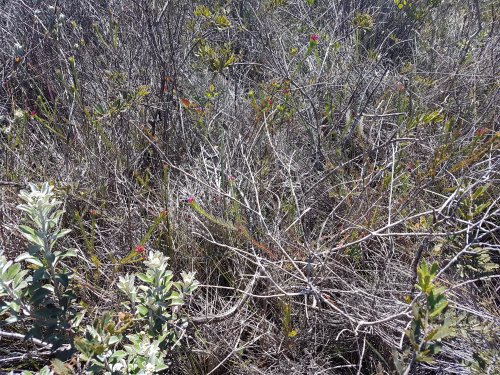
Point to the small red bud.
(481, 131)
(139, 249)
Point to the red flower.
(33, 113)
(185, 103)
(314, 38)
(231, 178)
(190, 200)
(139, 249)
(270, 102)
(93, 212)
(481, 131)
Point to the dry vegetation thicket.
(329, 169)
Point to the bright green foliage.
(426, 119)
(475, 204)
(212, 19)
(363, 21)
(213, 54)
(217, 58)
(140, 339)
(401, 3)
(288, 329)
(430, 324)
(202, 11)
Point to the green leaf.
(12, 271)
(63, 279)
(143, 310)
(113, 340)
(99, 109)
(32, 238)
(30, 259)
(50, 257)
(421, 357)
(19, 285)
(439, 333)
(11, 319)
(27, 230)
(488, 267)
(69, 253)
(434, 269)
(439, 290)
(176, 299)
(145, 278)
(14, 306)
(119, 354)
(39, 295)
(62, 233)
(78, 319)
(480, 191)
(49, 287)
(435, 348)
(440, 306)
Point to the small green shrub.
(430, 324)
(135, 340)
(44, 295)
